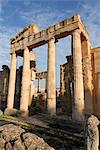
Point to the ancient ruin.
(92, 133)
(79, 76)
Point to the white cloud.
(44, 17)
(5, 36)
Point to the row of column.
(78, 107)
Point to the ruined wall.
(95, 54)
(66, 81)
(4, 82)
(18, 87)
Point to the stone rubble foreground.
(15, 138)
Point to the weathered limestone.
(62, 85)
(92, 133)
(15, 138)
(58, 30)
(66, 89)
(51, 77)
(96, 79)
(12, 78)
(32, 75)
(25, 83)
(4, 83)
(31, 92)
(18, 87)
(87, 69)
(78, 106)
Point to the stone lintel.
(59, 30)
(41, 75)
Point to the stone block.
(12, 112)
(43, 32)
(57, 26)
(51, 29)
(37, 35)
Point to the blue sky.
(16, 14)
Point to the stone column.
(62, 83)
(25, 83)
(12, 78)
(39, 85)
(87, 68)
(32, 87)
(78, 104)
(32, 76)
(31, 92)
(51, 77)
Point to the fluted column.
(12, 78)
(25, 83)
(78, 106)
(88, 85)
(51, 77)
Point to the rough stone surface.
(15, 138)
(92, 133)
(12, 112)
(1, 113)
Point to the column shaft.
(88, 86)
(31, 92)
(51, 77)
(39, 85)
(12, 78)
(78, 108)
(25, 82)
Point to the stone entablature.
(58, 31)
(41, 75)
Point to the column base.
(76, 116)
(51, 114)
(51, 106)
(23, 113)
(11, 112)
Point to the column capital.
(51, 39)
(77, 31)
(13, 53)
(26, 48)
